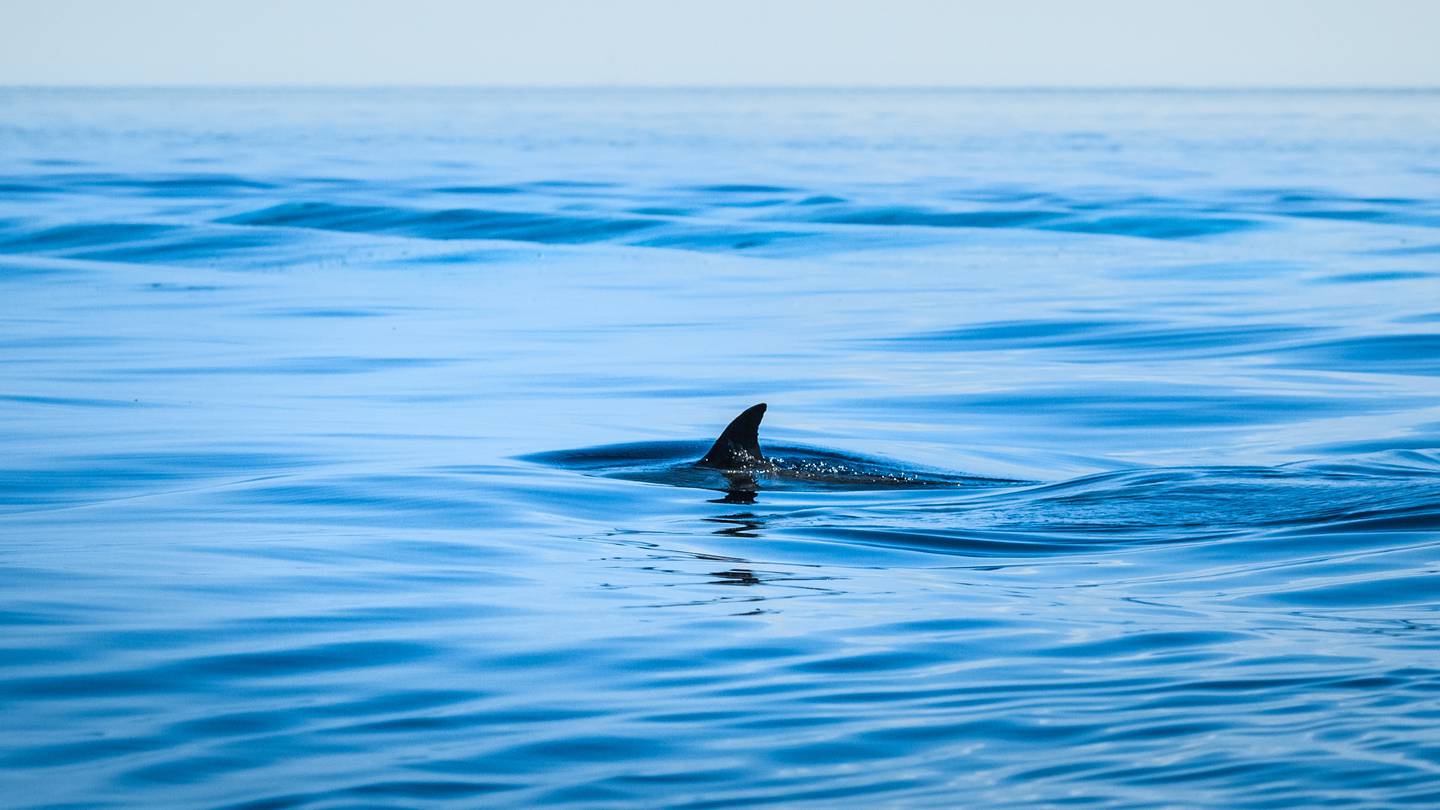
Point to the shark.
(738, 445)
(736, 464)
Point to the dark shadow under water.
(786, 468)
(930, 511)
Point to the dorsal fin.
(739, 445)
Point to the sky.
(734, 42)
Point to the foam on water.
(348, 442)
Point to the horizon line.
(716, 86)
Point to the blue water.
(280, 371)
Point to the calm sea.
(270, 361)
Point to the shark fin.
(739, 445)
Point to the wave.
(705, 218)
(1280, 344)
(1124, 511)
(70, 237)
(91, 479)
(932, 511)
(1136, 225)
(1118, 405)
(1415, 354)
(680, 228)
(541, 228)
(1108, 336)
(189, 185)
(455, 223)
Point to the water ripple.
(286, 523)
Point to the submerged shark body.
(735, 464)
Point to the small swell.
(1126, 406)
(1157, 227)
(73, 402)
(147, 243)
(194, 185)
(1107, 337)
(90, 235)
(380, 500)
(17, 189)
(744, 188)
(904, 216)
(1376, 276)
(185, 248)
(1417, 353)
(1343, 208)
(89, 479)
(478, 190)
(1371, 215)
(1137, 225)
(518, 226)
(1112, 512)
(1415, 250)
(454, 223)
(723, 239)
(305, 366)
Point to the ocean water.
(297, 387)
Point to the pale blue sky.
(745, 42)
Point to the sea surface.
(280, 374)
